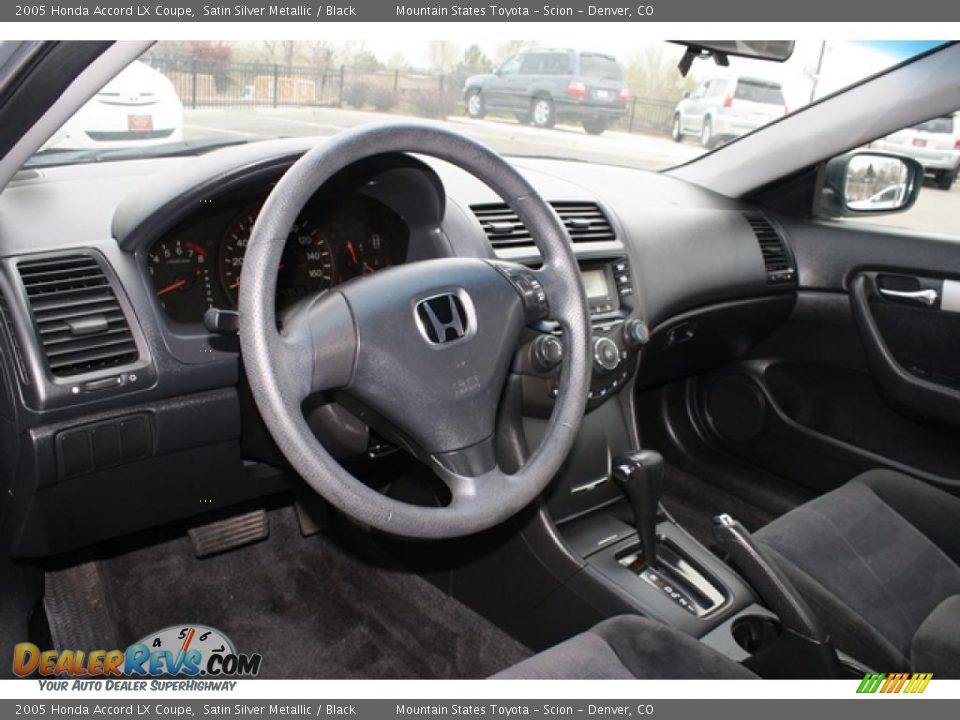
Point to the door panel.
(916, 370)
(865, 373)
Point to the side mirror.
(868, 183)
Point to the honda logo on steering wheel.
(442, 318)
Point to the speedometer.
(307, 265)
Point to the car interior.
(507, 417)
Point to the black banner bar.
(485, 709)
(635, 11)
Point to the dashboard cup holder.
(756, 633)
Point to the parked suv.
(935, 144)
(725, 108)
(543, 86)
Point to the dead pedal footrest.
(223, 535)
(77, 608)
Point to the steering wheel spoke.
(318, 345)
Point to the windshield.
(628, 105)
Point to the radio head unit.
(607, 284)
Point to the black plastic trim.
(909, 392)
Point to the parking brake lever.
(805, 649)
(775, 590)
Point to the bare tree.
(398, 61)
(320, 53)
(443, 55)
(282, 52)
(652, 73)
(511, 47)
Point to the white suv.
(725, 108)
(935, 144)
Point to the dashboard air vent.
(776, 256)
(585, 222)
(12, 339)
(79, 322)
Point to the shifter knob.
(640, 476)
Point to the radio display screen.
(595, 284)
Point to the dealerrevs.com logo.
(189, 651)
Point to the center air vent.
(585, 222)
(79, 322)
(776, 256)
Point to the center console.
(634, 555)
(753, 614)
(616, 338)
(599, 543)
(664, 570)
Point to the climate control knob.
(635, 333)
(606, 355)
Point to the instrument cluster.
(198, 265)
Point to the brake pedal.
(312, 514)
(223, 535)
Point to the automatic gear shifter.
(640, 475)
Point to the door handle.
(927, 297)
(905, 390)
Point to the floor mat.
(693, 503)
(312, 609)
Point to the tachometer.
(307, 265)
(181, 278)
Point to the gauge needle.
(352, 251)
(368, 268)
(171, 287)
(196, 248)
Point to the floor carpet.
(310, 607)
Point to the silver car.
(725, 108)
(935, 144)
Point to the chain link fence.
(219, 84)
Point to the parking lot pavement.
(641, 151)
(936, 211)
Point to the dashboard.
(198, 265)
(153, 394)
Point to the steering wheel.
(424, 348)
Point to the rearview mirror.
(772, 50)
(867, 183)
